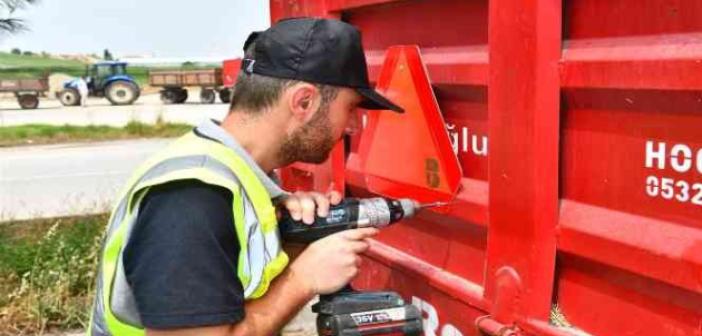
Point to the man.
(82, 86)
(192, 247)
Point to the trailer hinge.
(505, 301)
(489, 327)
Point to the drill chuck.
(380, 212)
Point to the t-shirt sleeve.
(181, 258)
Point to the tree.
(8, 23)
(16, 51)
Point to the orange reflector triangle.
(410, 154)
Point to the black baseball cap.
(323, 51)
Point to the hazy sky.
(162, 28)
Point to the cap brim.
(373, 100)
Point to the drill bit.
(433, 205)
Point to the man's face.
(313, 142)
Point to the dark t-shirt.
(181, 258)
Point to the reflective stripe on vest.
(260, 260)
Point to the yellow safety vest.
(261, 258)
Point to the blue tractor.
(107, 79)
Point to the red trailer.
(230, 70)
(585, 215)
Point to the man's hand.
(330, 263)
(304, 205)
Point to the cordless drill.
(351, 213)
(350, 312)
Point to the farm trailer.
(174, 84)
(27, 91)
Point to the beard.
(311, 143)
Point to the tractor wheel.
(121, 93)
(69, 97)
(225, 95)
(169, 96)
(207, 96)
(28, 101)
(182, 96)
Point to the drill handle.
(342, 216)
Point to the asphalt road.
(148, 108)
(67, 179)
(71, 179)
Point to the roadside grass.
(47, 272)
(34, 134)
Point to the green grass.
(8, 60)
(47, 272)
(22, 66)
(45, 134)
(140, 74)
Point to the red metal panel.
(325, 177)
(230, 70)
(631, 108)
(286, 8)
(523, 130)
(608, 301)
(339, 5)
(662, 62)
(660, 250)
(427, 23)
(606, 18)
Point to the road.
(100, 112)
(70, 179)
(67, 179)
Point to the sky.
(158, 28)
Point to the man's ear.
(303, 101)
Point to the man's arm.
(264, 316)
(323, 268)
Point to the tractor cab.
(101, 73)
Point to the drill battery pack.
(353, 313)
